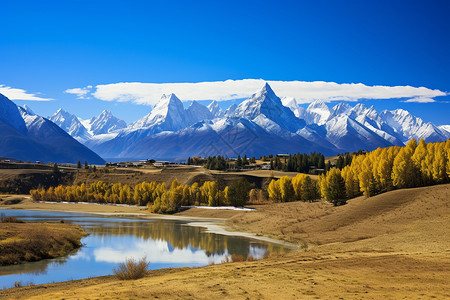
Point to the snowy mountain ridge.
(83, 130)
(27, 136)
(262, 124)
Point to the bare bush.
(132, 269)
(237, 258)
(9, 219)
(250, 258)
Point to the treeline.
(388, 168)
(300, 162)
(221, 163)
(362, 174)
(299, 188)
(157, 196)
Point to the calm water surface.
(165, 243)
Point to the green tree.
(335, 187)
(309, 191)
(238, 162)
(238, 192)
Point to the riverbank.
(214, 220)
(28, 242)
(394, 245)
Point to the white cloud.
(420, 100)
(19, 94)
(81, 93)
(304, 92)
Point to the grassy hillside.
(26, 242)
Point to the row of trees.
(366, 173)
(299, 188)
(157, 196)
(220, 163)
(300, 162)
(387, 168)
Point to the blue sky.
(48, 47)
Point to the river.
(164, 243)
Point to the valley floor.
(395, 246)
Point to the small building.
(266, 167)
(161, 163)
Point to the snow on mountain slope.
(267, 103)
(70, 124)
(408, 126)
(168, 115)
(230, 110)
(317, 113)
(38, 139)
(346, 133)
(105, 123)
(339, 109)
(292, 104)
(262, 124)
(215, 109)
(222, 136)
(26, 109)
(369, 117)
(197, 112)
(445, 128)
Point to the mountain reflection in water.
(165, 243)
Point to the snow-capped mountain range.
(27, 136)
(83, 130)
(262, 124)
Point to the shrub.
(4, 219)
(237, 258)
(132, 269)
(250, 258)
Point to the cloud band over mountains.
(304, 92)
(20, 94)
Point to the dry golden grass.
(132, 176)
(392, 246)
(25, 242)
(321, 223)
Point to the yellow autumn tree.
(297, 184)
(287, 191)
(439, 171)
(404, 171)
(274, 190)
